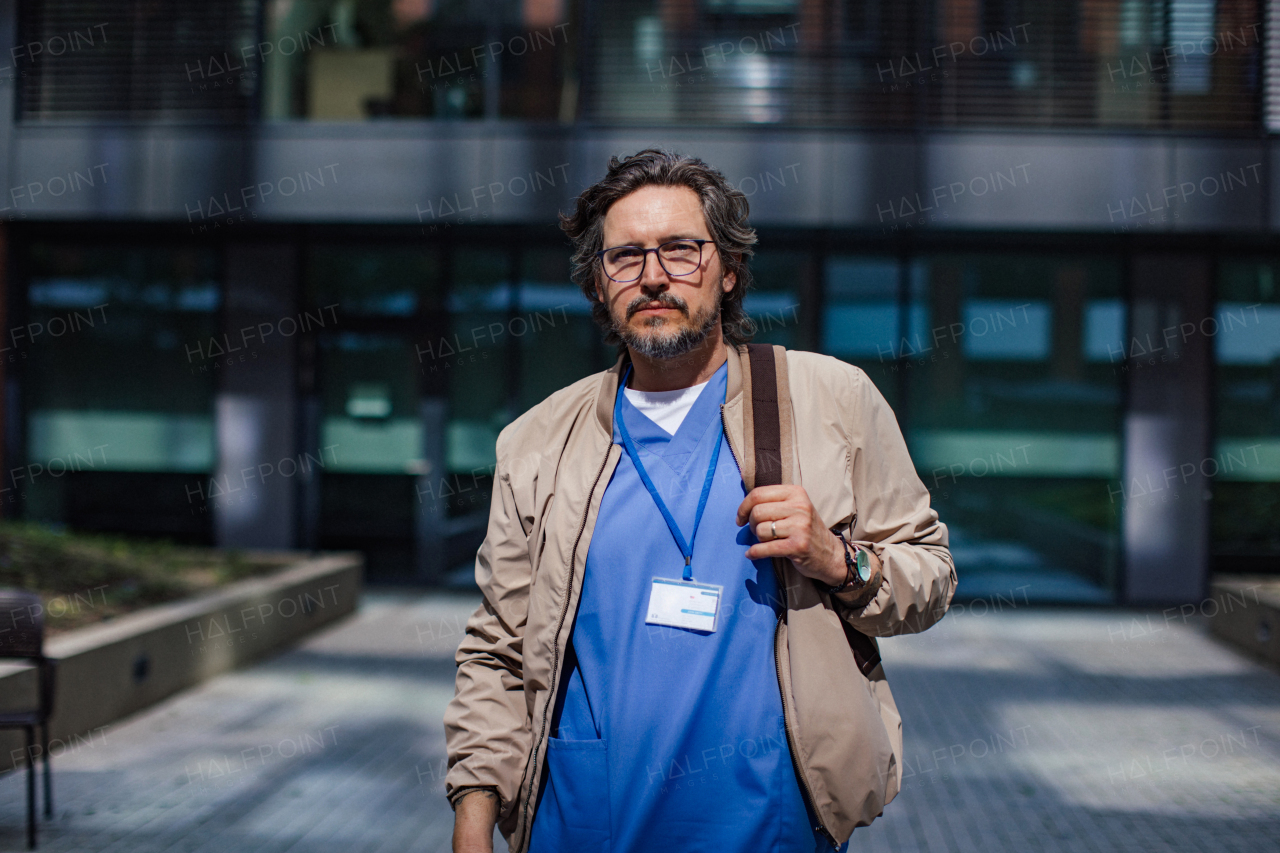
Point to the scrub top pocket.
(574, 813)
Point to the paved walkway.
(1026, 730)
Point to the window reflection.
(861, 316)
(1246, 462)
(120, 355)
(1013, 416)
(343, 60)
(370, 400)
(374, 280)
(1005, 330)
(481, 301)
(1104, 332)
(559, 343)
(1180, 64)
(773, 301)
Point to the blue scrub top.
(667, 739)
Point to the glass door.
(368, 425)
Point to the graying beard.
(658, 347)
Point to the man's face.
(660, 315)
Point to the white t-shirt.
(666, 408)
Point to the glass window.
(559, 342)
(1246, 461)
(773, 300)
(1179, 64)
(189, 62)
(343, 60)
(1014, 372)
(1172, 63)
(861, 318)
(475, 359)
(374, 280)
(735, 63)
(436, 350)
(120, 354)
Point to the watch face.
(864, 566)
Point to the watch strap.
(857, 568)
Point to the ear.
(729, 281)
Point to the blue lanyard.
(686, 548)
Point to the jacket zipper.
(777, 665)
(555, 657)
(724, 425)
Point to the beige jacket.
(843, 446)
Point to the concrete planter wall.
(1245, 611)
(108, 671)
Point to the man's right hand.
(474, 818)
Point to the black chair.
(22, 637)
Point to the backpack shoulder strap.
(766, 427)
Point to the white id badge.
(684, 604)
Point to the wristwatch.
(858, 568)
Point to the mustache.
(665, 299)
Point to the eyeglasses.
(626, 263)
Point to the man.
(666, 659)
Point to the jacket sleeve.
(487, 733)
(895, 520)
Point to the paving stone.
(1065, 731)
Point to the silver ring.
(773, 529)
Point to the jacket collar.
(608, 392)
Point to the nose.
(653, 278)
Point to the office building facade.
(276, 273)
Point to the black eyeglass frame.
(657, 251)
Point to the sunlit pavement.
(1026, 729)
